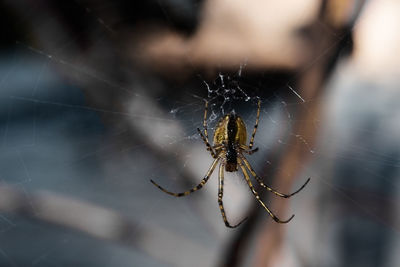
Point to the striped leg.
(220, 195)
(256, 125)
(205, 138)
(199, 186)
(246, 176)
(259, 180)
(209, 148)
(218, 147)
(205, 120)
(247, 150)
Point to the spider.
(229, 144)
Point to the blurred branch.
(229, 33)
(102, 223)
(68, 212)
(328, 35)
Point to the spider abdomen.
(221, 135)
(230, 133)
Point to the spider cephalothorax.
(229, 144)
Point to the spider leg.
(251, 151)
(199, 186)
(209, 148)
(247, 149)
(246, 176)
(256, 125)
(218, 146)
(205, 119)
(220, 194)
(259, 180)
(205, 136)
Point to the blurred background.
(99, 97)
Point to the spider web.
(55, 139)
(47, 98)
